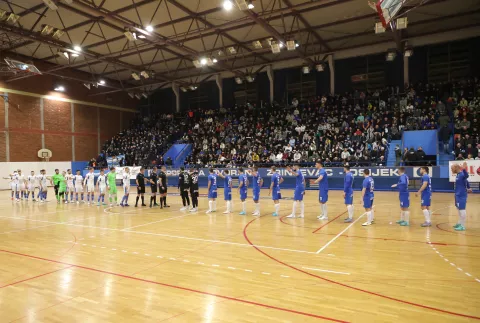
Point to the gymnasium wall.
(73, 124)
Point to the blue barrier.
(428, 139)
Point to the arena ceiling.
(189, 30)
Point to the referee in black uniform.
(184, 187)
(153, 186)
(194, 189)
(140, 187)
(163, 187)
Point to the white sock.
(214, 205)
(427, 215)
(294, 208)
(325, 210)
(244, 206)
(257, 207)
(373, 215)
(277, 208)
(402, 215)
(228, 206)
(369, 216)
(406, 216)
(302, 207)
(350, 211)
(210, 203)
(463, 217)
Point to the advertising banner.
(473, 170)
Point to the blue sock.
(88, 197)
(103, 198)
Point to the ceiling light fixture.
(197, 63)
(74, 54)
(193, 87)
(87, 85)
(227, 5)
(250, 5)
(149, 28)
(145, 74)
(60, 88)
(257, 44)
(142, 36)
(135, 76)
(130, 94)
(58, 33)
(184, 89)
(214, 60)
(291, 45)
(250, 78)
(47, 30)
(77, 48)
(232, 50)
(306, 69)
(238, 80)
(50, 4)
(320, 67)
(131, 36)
(391, 54)
(203, 61)
(101, 82)
(145, 95)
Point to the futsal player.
(153, 186)
(227, 190)
(89, 182)
(31, 184)
(242, 190)
(299, 191)
(194, 189)
(79, 188)
(10, 177)
(140, 180)
(257, 185)
(367, 196)
(62, 187)
(22, 187)
(163, 186)
(102, 187)
(425, 192)
(70, 187)
(183, 188)
(348, 193)
(322, 182)
(43, 186)
(56, 181)
(212, 192)
(112, 186)
(462, 188)
(275, 190)
(404, 197)
(126, 186)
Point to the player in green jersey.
(112, 185)
(62, 186)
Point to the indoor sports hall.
(239, 161)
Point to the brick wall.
(76, 137)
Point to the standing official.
(153, 186)
(194, 189)
(184, 187)
(140, 187)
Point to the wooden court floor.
(78, 263)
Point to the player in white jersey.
(102, 187)
(78, 184)
(126, 186)
(13, 186)
(70, 187)
(43, 186)
(22, 187)
(32, 183)
(89, 182)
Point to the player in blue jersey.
(227, 190)
(299, 191)
(212, 191)
(242, 190)
(367, 195)
(462, 188)
(257, 185)
(404, 196)
(322, 182)
(348, 193)
(275, 190)
(425, 192)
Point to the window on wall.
(448, 62)
(198, 99)
(301, 86)
(368, 73)
(246, 92)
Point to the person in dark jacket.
(444, 136)
(412, 157)
(420, 155)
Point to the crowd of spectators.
(353, 128)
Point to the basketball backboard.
(387, 9)
(22, 67)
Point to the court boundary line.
(324, 225)
(349, 286)
(231, 298)
(34, 277)
(338, 235)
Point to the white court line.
(44, 226)
(142, 225)
(327, 271)
(338, 235)
(168, 235)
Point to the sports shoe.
(104, 204)
(426, 224)
(301, 216)
(208, 212)
(322, 217)
(274, 214)
(78, 202)
(373, 221)
(366, 224)
(456, 225)
(226, 212)
(183, 208)
(98, 203)
(242, 213)
(404, 224)
(291, 216)
(193, 210)
(460, 228)
(347, 220)
(399, 222)
(256, 214)
(121, 204)
(126, 205)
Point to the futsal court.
(78, 263)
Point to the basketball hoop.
(45, 154)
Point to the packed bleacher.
(353, 128)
